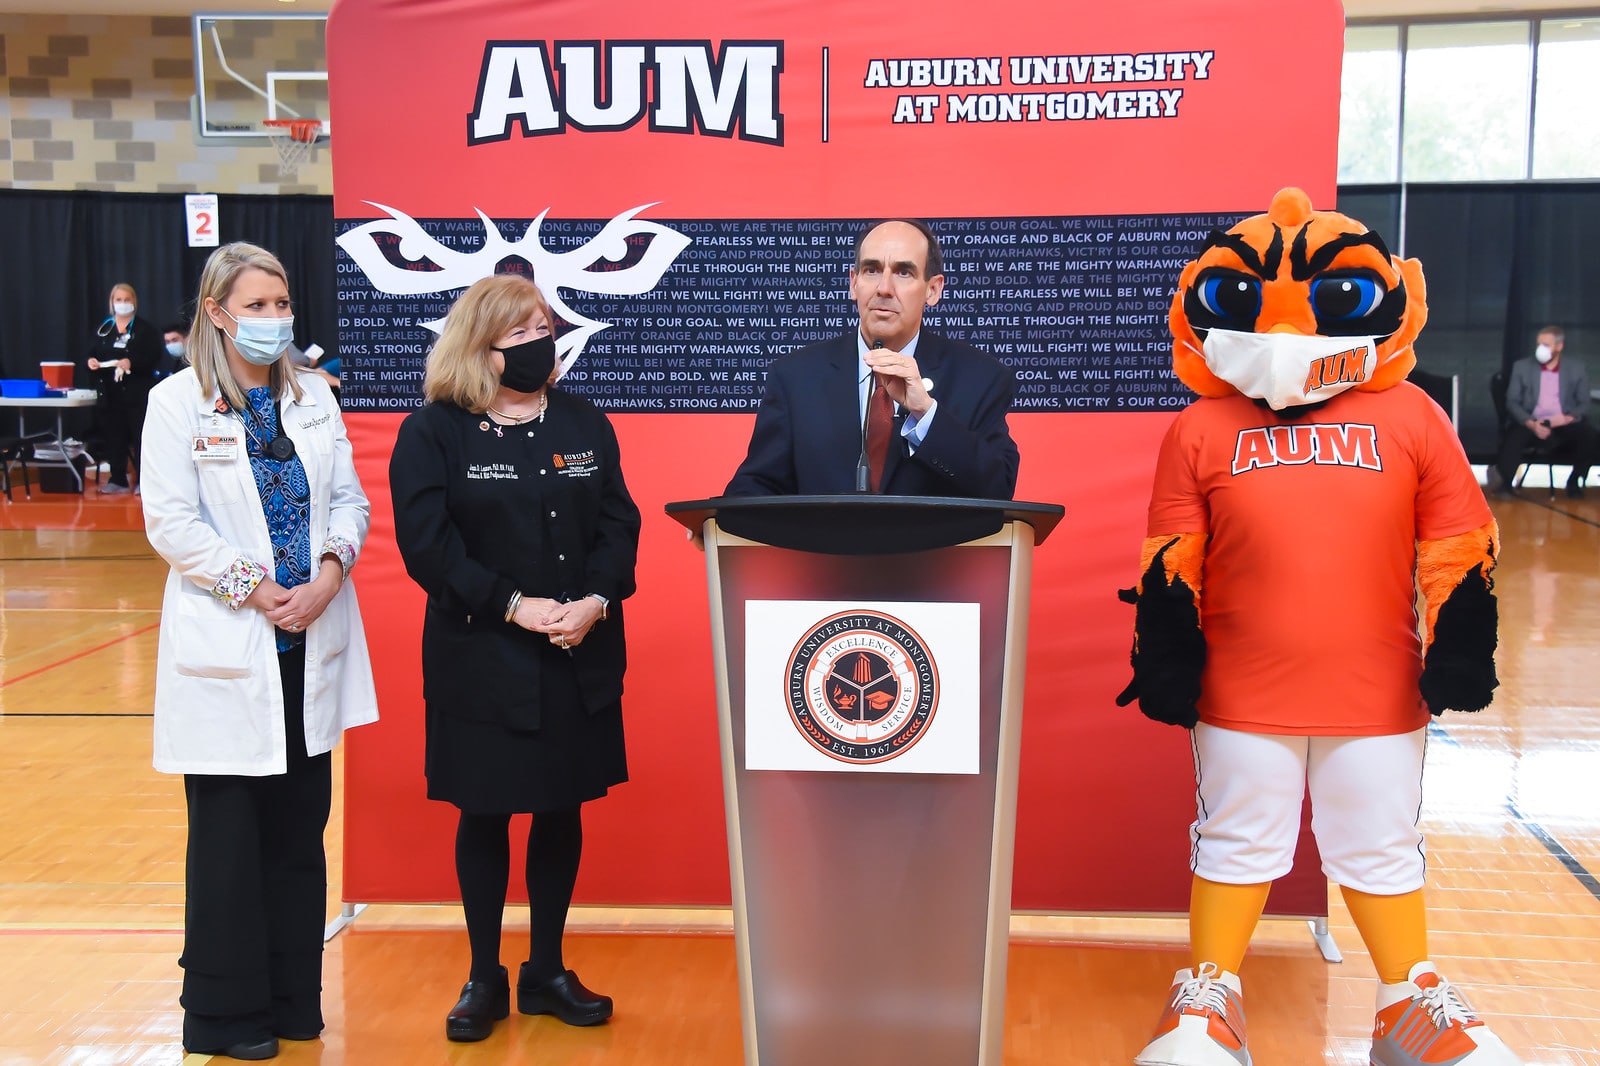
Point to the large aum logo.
(1339, 444)
(683, 86)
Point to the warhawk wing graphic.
(587, 268)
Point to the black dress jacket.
(482, 511)
(807, 437)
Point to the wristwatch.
(605, 605)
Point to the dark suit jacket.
(1522, 389)
(807, 438)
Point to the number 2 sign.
(200, 212)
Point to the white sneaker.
(1423, 1021)
(1203, 1024)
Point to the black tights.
(483, 868)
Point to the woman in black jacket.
(122, 361)
(511, 513)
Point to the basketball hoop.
(294, 138)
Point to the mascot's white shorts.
(1366, 795)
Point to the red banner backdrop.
(820, 110)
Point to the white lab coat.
(219, 697)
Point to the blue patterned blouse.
(285, 497)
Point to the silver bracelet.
(513, 604)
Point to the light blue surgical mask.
(175, 348)
(262, 340)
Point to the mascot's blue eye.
(1343, 297)
(1230, 296)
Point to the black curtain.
(63, 250)
(1501, 261)
(1376, 206)
(1466, 238)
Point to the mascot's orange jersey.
(1309, 590)
(1306, 503)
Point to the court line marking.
(76, 558)
(88, 929)
(97, 625)
(72, 640)
(73, 658)
(79, 610)
(1569, 861)
(77, 714)
(1573, 864)
(1550, 506)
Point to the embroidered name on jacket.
(1326, 444)
(492, 472)
(580, 464)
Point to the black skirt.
(487, 768)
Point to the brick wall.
(103, 102)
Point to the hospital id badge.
(210, 449)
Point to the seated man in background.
(1547, 397)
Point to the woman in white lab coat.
(251, 495)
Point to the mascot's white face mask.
(1288, 369)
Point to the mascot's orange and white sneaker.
(1423, 1021)
(1203, 1024)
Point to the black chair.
(1548, 452)
(19, 451)
(1442, 389)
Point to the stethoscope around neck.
(279, 448)
(109, 326)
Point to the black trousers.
(257, 893)
(120, 416)
(1579, 440)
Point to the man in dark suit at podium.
(888, 408)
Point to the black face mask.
(528, 365)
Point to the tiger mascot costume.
(1298, 506)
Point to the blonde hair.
(208, 352)
(459, 369)
(111, 297)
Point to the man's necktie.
(880, 424)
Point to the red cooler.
(56, 375)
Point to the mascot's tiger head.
(1295, 306)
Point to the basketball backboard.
(249, 68)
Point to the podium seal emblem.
(862, 687)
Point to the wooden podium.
(869, 654)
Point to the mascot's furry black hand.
(1169, 650)
(1458, 672)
